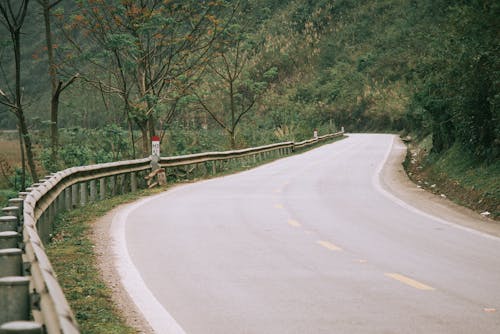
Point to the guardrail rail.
(31, 299)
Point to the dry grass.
(9, 152)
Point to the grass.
(71, 253)
(9, 157)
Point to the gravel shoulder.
(101, 236)
(393, 179)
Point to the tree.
(150, 49)
(12, 17)
(57, 85)
(232, 84)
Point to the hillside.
(426, 68)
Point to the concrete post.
(8, 223)
(14, 298)
(133, 182)
(214, 167)
(93, 190)
(123, 183)
(55, 206)
(74, 196)
(60, 202)
(23, 194)
(21, 327)
(51, 217)
(11, 262)
(9, 239)
(112, 181)
(83, 193)
(41, 226)
(11, 211)
(67, 198)
(17, 202)
(102, 188)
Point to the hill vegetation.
(213, 75)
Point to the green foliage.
(81, 146)
(458, 83)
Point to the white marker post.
(315, 134)
(155, 146)
(156, 170)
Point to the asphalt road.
(306, 244)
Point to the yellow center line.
(409, 281)
(278, 206)
(328, 245)
(293, 223)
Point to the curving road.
(307, 244)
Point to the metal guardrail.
(30, 295)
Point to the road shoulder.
(106, 262)
(394, 179)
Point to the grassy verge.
(72, 255)
(71, 252)
(458, 176)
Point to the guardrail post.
(14, 298)
(102, 188)
(68, 192)
(21, 327)
(133, 182)
(9, 239)
(74, 196)
(11, 211)
(8, 223)
(42, 227)
(123, 183)
(93, 190)
(11, 262)
(19, 202)
(83, 193)
(112, 181)
(55, 206)
(62, 201)
(23, 194)
(51, 217)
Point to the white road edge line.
(386, 193)
(157, 316)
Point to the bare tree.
(57, 85)
(12, 17)
(233, 85)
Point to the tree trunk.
(23, 159)
(27, 145)
(233, 140)
(54, 105)
(145, 141)
(23, 128)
